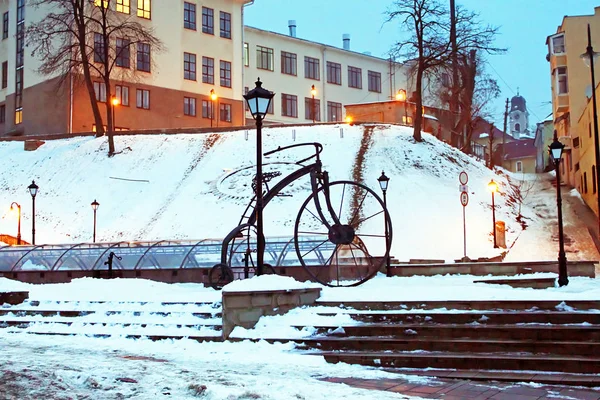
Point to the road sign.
(464, 198)
(463, 188)
(463, 178)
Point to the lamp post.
(114, 102)
(33, 189)
(213, 98)
(493, 187)
(401, 96)
(94, 205)
(313, 92)
(18, 207)
(589, 57)
(555, 150)
(258, 100)
(383, 184)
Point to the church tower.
(519, 117)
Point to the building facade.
(518, 117)
(571, 93)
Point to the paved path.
(453, 389)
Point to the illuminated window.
(18, 116)
(123, 6)
(98, 3)
(143, 9)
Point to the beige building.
(293, 68)
(571, 92)
(202, 51)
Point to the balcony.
(561, 103)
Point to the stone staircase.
(131, 319)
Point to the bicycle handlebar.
(318, 150)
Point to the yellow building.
(571, 89)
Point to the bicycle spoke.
(358, 267)
(337, 266)
(358, 209)
(365, 219)
(330, 259)
(314, 233)
(316, 247)
(342, 201)
(369, 235)
(311, 213)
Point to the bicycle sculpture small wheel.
(219, 276)
(348, 253)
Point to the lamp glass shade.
(383, 181)
(555, 149)
(313, 91)
(95, 205)
(493, 186)
(33, 189)
(259, 100)
(401, 95)
(586, 57)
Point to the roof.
(481, 130)
(519, 149)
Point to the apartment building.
(202, 51)
(571, 98)
(295, 69)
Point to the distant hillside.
(194, 186)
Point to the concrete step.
(22, 323)
(445, 345)
(504, 361)
(481, 305)
(199, 339)
(479, 331)
(467, 317)
(80, 313)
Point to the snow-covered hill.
(195, 186)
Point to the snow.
(267, 282)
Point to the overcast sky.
(524, 26)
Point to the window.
(208, 70)
(406, 120)
(557, 44)
(374, 81)
(122, 56)
(20, 11)
(309, 108)
(189, 16)
(20, 44)
(264, 58)
(311, 68)
(2, 114)
(5, 25)
(334, 73)
(99, 3)
(4, 74)
(100, 90)
(143, 9)
(354, 77)
(208, 22)
(123, 6)
(288, 63)
(207, 109)
(334, 111)
(593, 179)
(142, 99)
(576, 142)
(289, 105)
(246, 55)
(584, 182)
(517, 127)
(18, 116)
(143, 57)
(225, 112)
(561, 80)
(122, 94)
(225, 18)
(225, 73)
(519, 166)
(98, 48)
(445, 79)
(189, 66)
(189, 106)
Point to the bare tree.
(86, 40)
(491, 139)
(427, 44)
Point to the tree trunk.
(418, 116)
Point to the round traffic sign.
(463, 178)
(464, 198)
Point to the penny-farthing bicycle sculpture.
(339, 234)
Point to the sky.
(524, 26)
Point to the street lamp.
(493, 187)
(555, 150)
(401, 96)
(114, 102)
(18, 207)
(94, 205)
(33, 189)
(213, 98)
(258, 100)
(313, 92)
(383, 184)
(589, 57)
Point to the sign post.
(463, 178)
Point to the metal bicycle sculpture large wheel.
(348, 253)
